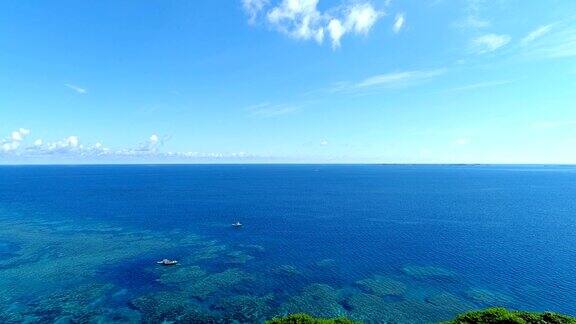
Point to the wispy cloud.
(398, 23)
(557, 40)
(489, 43)
(393, 80)
(76, 88)
(253, 8)
(301, 19)
(272, 110)
(472, 17)
(399, 78)
(535, 34)
(473, 22)
(480, 85)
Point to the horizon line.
(294, 163)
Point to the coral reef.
(164, 307)
(253, 248)
(79, 303)
(75, 305)
(216, 282)
(245, 308)
(181, 274)
(316, 299)
(382, 286)
(286, 270)
(49, 259)
(451, 303)
(59, 272)
(367, 308)
(208, 250)
(373, 309)
(237, 257)
(15, 312)
(487, 297)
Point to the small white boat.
(167, 262)
(237, 224)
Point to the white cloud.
(16, 145)
(301, 19)
(66, 145)
(535, 34)
(76, 88)
(472, 19)
(358, 19)
(361, 17)
(319, 36)
(324, 142)
(153, 143)
(253, 8)
(298, 18)
(10, 146)
(336, 30)
(489, 43)
(16, 136)
(70, 148)
(72, 141)
(13, 142)
(154, 139)
(399, 78)
(398, 23)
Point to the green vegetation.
(504, 316)
(496, 315)
(307, 319)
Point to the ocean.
(376, 243)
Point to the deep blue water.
(486, 235)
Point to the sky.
(287, 81)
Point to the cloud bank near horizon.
(17, 147)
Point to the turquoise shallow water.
(397, 244)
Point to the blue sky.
(298, 81)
